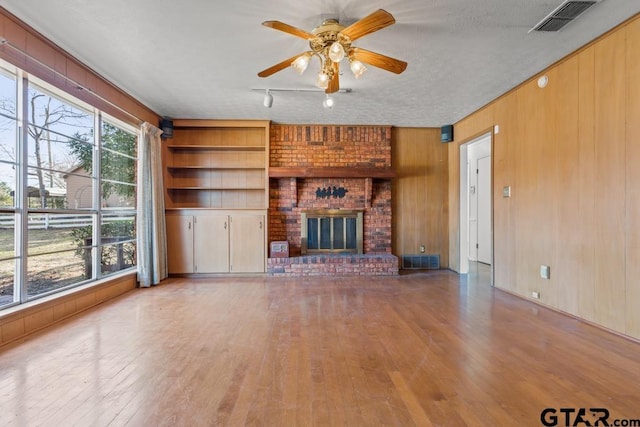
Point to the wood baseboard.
(573, 316)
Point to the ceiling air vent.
(562, 15)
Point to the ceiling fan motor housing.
(328, 33)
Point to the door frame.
(483, 214)
(464, 213)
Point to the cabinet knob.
(225, 225)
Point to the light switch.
(506, 191)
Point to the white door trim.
(466, 153)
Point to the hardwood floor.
(427, 348)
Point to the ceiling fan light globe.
(357, 68)
(336, 52)
(323, 80)
(300, 63)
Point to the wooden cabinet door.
(180, 243)
(211, 243)
(246, 243)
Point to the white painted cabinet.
(211, 244)
(246, 243)
(180, 243)
(216, 242)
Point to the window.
(67, 191)
(118, 198)
(8, 182)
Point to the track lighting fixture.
(328, 102)
(268, 99)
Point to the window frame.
(97, 213)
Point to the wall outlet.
(545, 271)
(422, 249)
(535, 294)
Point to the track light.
(268, 99)
(328, 102)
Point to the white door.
(484, 209)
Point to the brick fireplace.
(331, 168)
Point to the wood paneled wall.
(419, 193)
(20, 321)
(69, 72)
(570, 153)
(632, 184)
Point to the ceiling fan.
(331, 43)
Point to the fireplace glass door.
(332, 231)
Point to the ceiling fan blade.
(334, 83)
(281, 26)
(278, 67)
(379, 60)
(367, 25)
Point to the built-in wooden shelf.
(196, 167)
(217, 164)
(331, 172)
(217, 147)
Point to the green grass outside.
(40, 241)
(46, 272)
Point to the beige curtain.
(151, 230)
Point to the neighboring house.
(79, 182)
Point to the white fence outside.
(46, 221)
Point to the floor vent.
(562, 15)
(420, 262)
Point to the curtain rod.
(5, 42)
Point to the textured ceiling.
(200, 58)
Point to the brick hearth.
(334, 265)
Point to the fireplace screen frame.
(331, 214)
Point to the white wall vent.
(563, 14)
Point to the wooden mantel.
(331, 172)
(300, 172)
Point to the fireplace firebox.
(331, 231)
